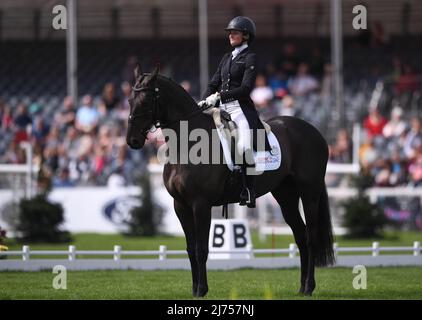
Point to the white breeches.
(244, 134)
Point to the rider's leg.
(248, 195)
(244, 148)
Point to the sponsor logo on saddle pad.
(264, 160)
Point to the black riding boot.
(247, 196)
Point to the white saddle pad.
(264, 160)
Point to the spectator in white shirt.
(396, 126)
(87, 116)
(262, 93)
(303, 83)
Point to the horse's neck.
(180, 108)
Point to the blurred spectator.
(104, 139)
(287, 107)
(121, 114)
(303, 83)
(415, 171)
(278, 83)
(63, 179)
(39, 131)
(327, 83)
(381, 170)
(413, 139)
(85, 146)
(14, 154)
(109, 100)
(51, 150)
(70, 143)
(99, 161)
(396, 126)
(65, 118)
(374, 123)
(21, 121)
(87, 116)
(35, 109)
(22, 118)
(6, 118)
(341, 150)
(367, 154)
(398, 173)
(261, 94)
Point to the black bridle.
(155, 111)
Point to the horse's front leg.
(185, 215)
(202, 220)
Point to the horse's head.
(143, 107)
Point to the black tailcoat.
(235, 79)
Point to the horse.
(196, 188)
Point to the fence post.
(249, 248)
(375, 249)
(416, 248)
(335, 249)
(163, 254)
(72, 255)
(292, 250)
(117, 253)
(25, 253)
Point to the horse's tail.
(324, 253)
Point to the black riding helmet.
(244, 24)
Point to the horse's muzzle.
(134, 143)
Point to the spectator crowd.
(84, 143)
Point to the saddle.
(222, 119)
(226, 129)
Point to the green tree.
(38, 219)
(145, 218)
(363, 219)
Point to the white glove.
(212, 99)
(202, 103)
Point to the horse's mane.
(177, 89)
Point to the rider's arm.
(215, 82)
(248, 82)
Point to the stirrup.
(246, 198)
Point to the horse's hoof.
(302, 290)
(308, 290)
(201, 292)
(194, 289)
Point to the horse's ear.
(137, 71)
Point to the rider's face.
(235, 37)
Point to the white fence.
(413, 258)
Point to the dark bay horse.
(197, 187)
